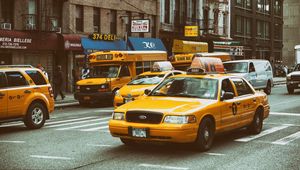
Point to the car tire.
(290, 90)
(268, 89)
(257, 123)
(36, 116)
(206, 133)
(128, 142)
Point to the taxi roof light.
(204, 65)
(162, 66)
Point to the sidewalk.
(70, 101)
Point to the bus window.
(139, 67)
(146, 66)
(109, 71)
(124, 71)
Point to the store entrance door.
(5, 59)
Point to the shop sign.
(71, 45)
(103, 37)
(191, 31)
(141, 25)
(14, 42)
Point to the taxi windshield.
(236, 67)
(146, 79)
(297, 68)
(109, 71)
(203, 88)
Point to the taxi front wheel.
(36, 116)
(206, 133)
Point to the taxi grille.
(144, 117)
(89, 88)
(295, 77)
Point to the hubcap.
(257, 120)
(206, 134)
(37, 115)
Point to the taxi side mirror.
(147, 91)
(227, 96)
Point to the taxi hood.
(135, 90)
(167, 104)
(94, 81)
(294, 73)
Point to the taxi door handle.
(27, 91)
(2, 94)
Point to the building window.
(263, 29)
(247, 26)
(239, 24)
(113, 22)
(79, 18)
(277, 7)
(244, 3)
(153, 23)
(194, 10)
(167, 11)
(263, 6)
(96, 19)
(6, 11)
(277, 31)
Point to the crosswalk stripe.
(69, 120)
(284, 114)
(86, 125)
(287, 139)
(12, 124)
(72, 123)
(94, 129)
(263, 133)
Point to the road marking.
(284, 114)
(214, 154)
(86, 125)
(287, 139)
(50, 157)
(94, 129)
(286, 124)
(69, 120)
(280, 103)
(263, 133)
(98, 145)
(11, 141)
(72, 123)
(12, 124)
(163, 167)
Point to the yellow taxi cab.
(191, 108)
(25, 94)
(147, 80)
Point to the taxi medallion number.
(140, 133)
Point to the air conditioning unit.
(6, 26)
(58, 29)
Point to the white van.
(258, 72)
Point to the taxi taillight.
(50, 91)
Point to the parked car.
(25, 94)
(258, 72)
(293, 79)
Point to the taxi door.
(18, 91)
(3, 96)
(246, 103)
(124, 77)
(228, 107)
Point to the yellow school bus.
(110, 70)
(183, 61)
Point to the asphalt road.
(78, 138)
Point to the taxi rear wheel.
(257, 123)
(36, 116)
(206, 133)
(267, 90)
(290, 90)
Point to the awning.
(147, 44)
(72, 42)
(28, 40)
(95, 45)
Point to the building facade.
(291, 32)
(257, 25)
(211, 16)
(49, 32)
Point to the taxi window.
(242, 87)
(3, 82)
(36, 76)
(15, 79)
(146, 80)
(227, 86)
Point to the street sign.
(141, 25)
(191, 31)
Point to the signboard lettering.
(103, 37)
(191, 31)
(142, 25)
(14, 43)
(149, 45)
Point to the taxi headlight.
(118, 116)
(118, 93)
(104, 86)
(180, 119)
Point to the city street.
(78, 138)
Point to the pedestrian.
(58, 83)
(39, 66)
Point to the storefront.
(27, 47)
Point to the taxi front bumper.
(93, 97)
(178, 133)
(293, 84)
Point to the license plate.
(126, 100)
(86, 98)
(140, 133)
